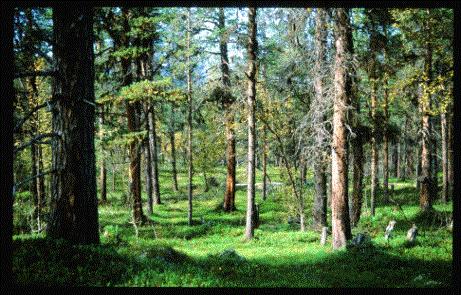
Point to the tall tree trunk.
(74, 208)
(154, 154)
(418, 166)
(132, 112)
(357, 189)
(41, 180)
(386, 146)
(103, 172)
(148, 167)
(426, 192)
(320, 198)
(251, 96)
(396, 158)
(265, 151)
(374, 154)
(443, 123)
(374, 147)
(341, 231)
(434, 159)
(189, 116)
(173, 155)
(450, 168)
(229, 195)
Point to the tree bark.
(320, 199)
(132, 113)
(251, 95)
(341, 230)
(41, 180)
(173, 156)
(154, 155)
(450, 168)
(357, 189)
(229, 195)
(443, 123)
(386, 146)
(396, 158)
(189, 117)
(74, 208)
(426, 193)
(265, 151)
(147, 155)
(374, 147)
(103, 172)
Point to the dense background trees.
(344, 104)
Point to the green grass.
(171, 253)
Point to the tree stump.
(412, 233)
(389, 229)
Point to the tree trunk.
(189, 117)
(418, 166)
(229, 195)
(426, 193)
(251, 96)
(173, 156)
(113, 177)
(396, 158)
(148, 167)
(132, 112)
(74, 208)
(41, 180)
(443, 123)
(103, 172)
(357, 189)
(320, 198)
(265, 151)
(341, 230)
(154, 155)
(374, 147)
(450, 160)
(34, 183)
(386, 147)
(434, 159)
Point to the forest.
(232, 146)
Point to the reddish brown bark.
(341, 231)
(229, 195)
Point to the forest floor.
(172, 253)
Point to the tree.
(189, 116)
(251, 95)
(227, 101)
(74, 214)
(320, 199)
(341, 231)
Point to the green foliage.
(171, 253)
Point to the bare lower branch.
(35, 74)
(31, 178)
(24, 119)
(33, 141)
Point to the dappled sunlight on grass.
(171, 253)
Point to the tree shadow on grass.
(373, 267)
(45, 262)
